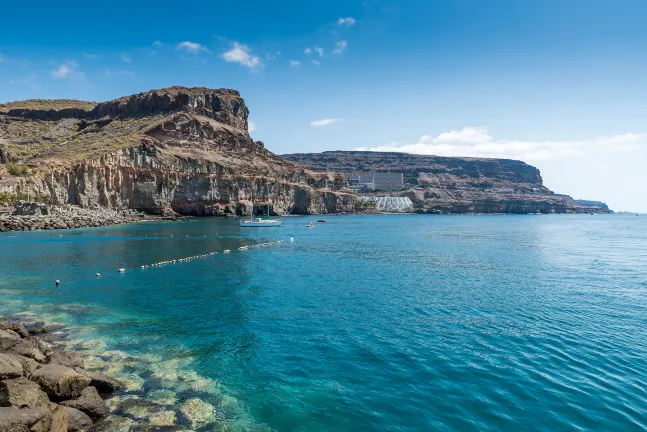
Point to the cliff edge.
(175, 150)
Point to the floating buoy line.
(205, 255)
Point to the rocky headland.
(178, 150)
(438, 184)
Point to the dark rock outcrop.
(77, 421)
(103, 383)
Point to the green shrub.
(18, 170)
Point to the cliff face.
(453, 184)
(177, 149)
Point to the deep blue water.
(365, 323)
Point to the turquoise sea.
(364, 323)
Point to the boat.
(265, 221)
(309, 225)
(321, 221)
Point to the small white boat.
(309, 225)
(261, 222)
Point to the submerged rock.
(198, 412)
(77, 421)
(60, 381)
(147, 411)
(113, 424)
(21, 393)
(89, 402)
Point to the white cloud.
(242, 54)
(158, 44)
(125, 57)
(316, 62)
(191, 47)
(476, 142)
(92, 56)
(294, 63)
(340, 47)
(319, 51)
(307, 50)
(251, 126)
(346, 22)
(325, 122)
(65, 69)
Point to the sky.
(559, 84)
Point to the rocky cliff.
(454, 184)
(184, 150)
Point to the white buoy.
(143, 266)
(226, 251)
(291, 240)
(98, 274)
(58, 282)
(122, 270)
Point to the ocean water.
(364, 323)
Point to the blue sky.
(559, 84)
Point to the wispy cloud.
(272, 56)
(30, 80)
(239, 53)
(316, 62)
(92, 56)
(319, 51)
(125, 57)
(65, 69)
(251, 126)
(476, 142)
(158, 44)
(325, 122)
(191, 47)
(109, 73)
(308, 51)
(346, 22)
(340, 47)
(294, 63)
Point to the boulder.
(21, 393)
(148, 412)
(113, 424)
(77, 421)
(10, 367)
(60, 381)
(28, 365)
(103, 383)
(89, 402)
(37, 419)
(70, 359)
(198, 412)
(36, 328)
(14, 326)
(59, 419)
(12, 343)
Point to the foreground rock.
(39, 389)
(60, 381)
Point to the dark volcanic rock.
(12, 343)
(38, 419)
(103, 383)
(77, 420)
(89, 402)
(70, 359)
(21, 393)
(60, 381)
(10, 367)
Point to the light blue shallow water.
(365, 323)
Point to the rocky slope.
(455, 184)
(176, 150)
